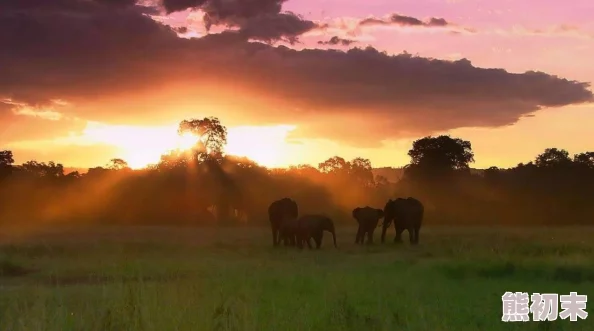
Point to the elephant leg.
(299, 242)
(417, 229)
(384, 228)
(398, 238)
(318, 239)
(359, 236)
(275, 235)
(285, 239)
(309, 242)
(371, 232)
(411, 235)
(370, 237)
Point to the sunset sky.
(297, 81)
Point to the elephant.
(279, 211)
(368, 219)
(313, 226)
(407, 214)
(289, 231)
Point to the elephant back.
(285, 207)
(367, 214)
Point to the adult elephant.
(279, 212)
(368, 218)
(313, 226)
(407, 214)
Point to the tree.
(553, 158)
(381, 181)
(41, 169)
(212, 135)
(438, 156)
(6, 158)
(117, 164)
(335, 164)
(305, 170)
(6, 161)
(585, 160)
(360, 171)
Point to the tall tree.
(439, 156)
(212, 135)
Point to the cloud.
(112, 62)
(260, 20)
(562, 30)
(337, 41)
(23, 124)
(402, 20)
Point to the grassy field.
(163, 279)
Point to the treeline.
(202, 186)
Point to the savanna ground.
(156, 278)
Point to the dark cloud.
(227, 9)
(397, 19)
(91, 55)
(273, 27)
(337, 41)
(256, 19)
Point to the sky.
(297, 81)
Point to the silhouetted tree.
(43, 170)
(6, 161)
(304, 170)
(437, 158)
(117, 164)
(360, 172)
(212, 135)
(553, 158)
(334, 165)
(585, 160)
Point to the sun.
(186, 141)
(139, 157)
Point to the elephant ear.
(356, 212)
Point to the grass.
(160, 279)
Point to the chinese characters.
(543, 307)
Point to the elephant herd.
(288, 227)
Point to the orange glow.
(142, 146)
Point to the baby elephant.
(313, 226)
(368, 219)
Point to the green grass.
(231, 279)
